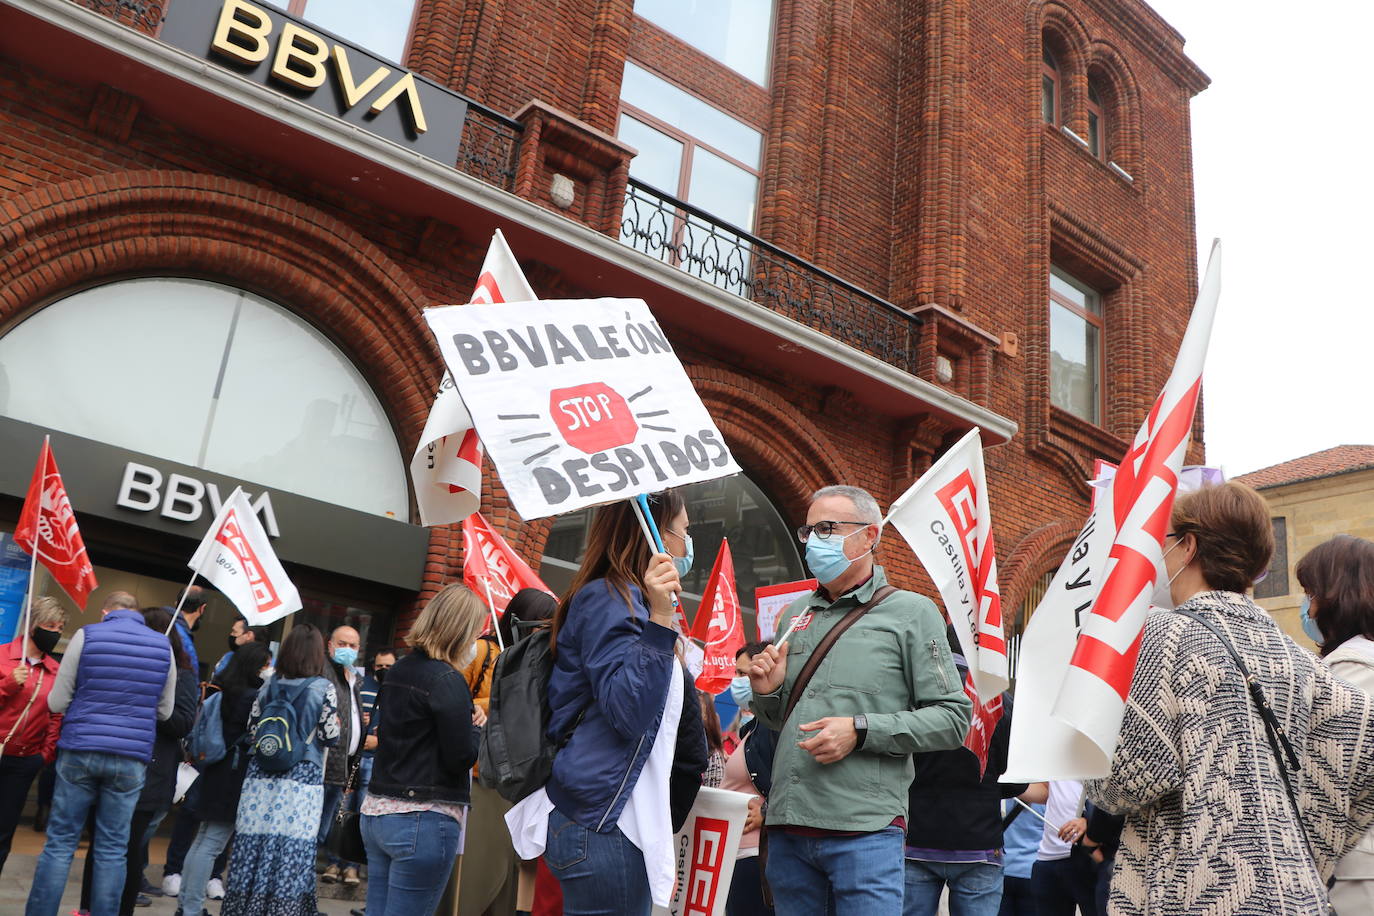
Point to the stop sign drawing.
(592, 417)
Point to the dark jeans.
(746, 890)
(1104, 884)
(16, 776)
(601, 874)
(1017, 899)
(1062, 884)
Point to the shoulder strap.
(823, 647)
(1273, 729)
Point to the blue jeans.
(85, 779)
(409, 859)
(601, 874)
(210, 841)
(975, 888)
(864, 872)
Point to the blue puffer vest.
(122, 670)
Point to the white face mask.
(1163, 596)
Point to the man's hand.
(20, 674)
(834, 739)
(1073, 830)
(479, 716)
(370, 743)
(754, 820)
(768, 670)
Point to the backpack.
(205, 743)
(286, 725)
(516, 756)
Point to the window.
(1075, 346)
(221, 379)
(1050, 101)
(1097, 123)
(700, 155)
(738, 33)
(1275, 582)
(380, 26)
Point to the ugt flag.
(944, 516)
(490, 567)
(1071, 692)
(447, 465)
(719, 624)
(236, 557)
(47, 530)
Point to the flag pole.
(180, 602)
(495, 623)
(27, 617)
(1036, 813)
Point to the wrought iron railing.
(489, 146)
(144, 15)
(680, 234)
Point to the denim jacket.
(894, 667)
(612, 667)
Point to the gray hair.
(865, 506)
(45, 611)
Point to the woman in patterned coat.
(1210, 828)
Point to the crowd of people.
(1243, 779)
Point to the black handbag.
(345, 837)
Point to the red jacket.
(37, 732)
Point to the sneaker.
(214, 889)
(149, 889)
(330, 874)
(171, 885)
(350, 876)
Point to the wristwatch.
(861, 729)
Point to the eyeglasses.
(824, 529)
(681, 537)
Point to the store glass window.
(1275, 582)
(738, 33)
(1075, 346)
(379, 26)
(762, 545)
(209, 376)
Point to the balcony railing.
(489, 145)
(726, 256)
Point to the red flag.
(47, 529)
(985, 719)
(719, 624)
(488, 561)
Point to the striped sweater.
(1209, 827)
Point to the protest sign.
(771, 600)
(578, 402)
(706, 847)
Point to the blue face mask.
(345, 656)
(742, 692)
(683, 565)
(1309, 626)
(825, 557)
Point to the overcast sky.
(1282, 172)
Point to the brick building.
(866, 228)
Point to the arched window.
(1098, 124)
(208, 376)
(1051, 89)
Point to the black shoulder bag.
(1273, 730)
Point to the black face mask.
(233, 642)
(380, 675)
(46, 640)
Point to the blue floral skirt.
(272, 869)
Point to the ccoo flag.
(944, 516)
(47, 530)
(447, 465)
(490, 567)
(1072, 692)
(719, 624)
(236, 557)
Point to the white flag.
(944, 516)
(447, 466)
(236, 557)
(1081, 645)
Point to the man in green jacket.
(887, 689)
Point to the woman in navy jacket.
(615, 641)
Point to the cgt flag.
(447, 465)
(945, 519)
(491, 568)
(47, 530)
(1071, 698)
(719, 624)
(236, 557)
